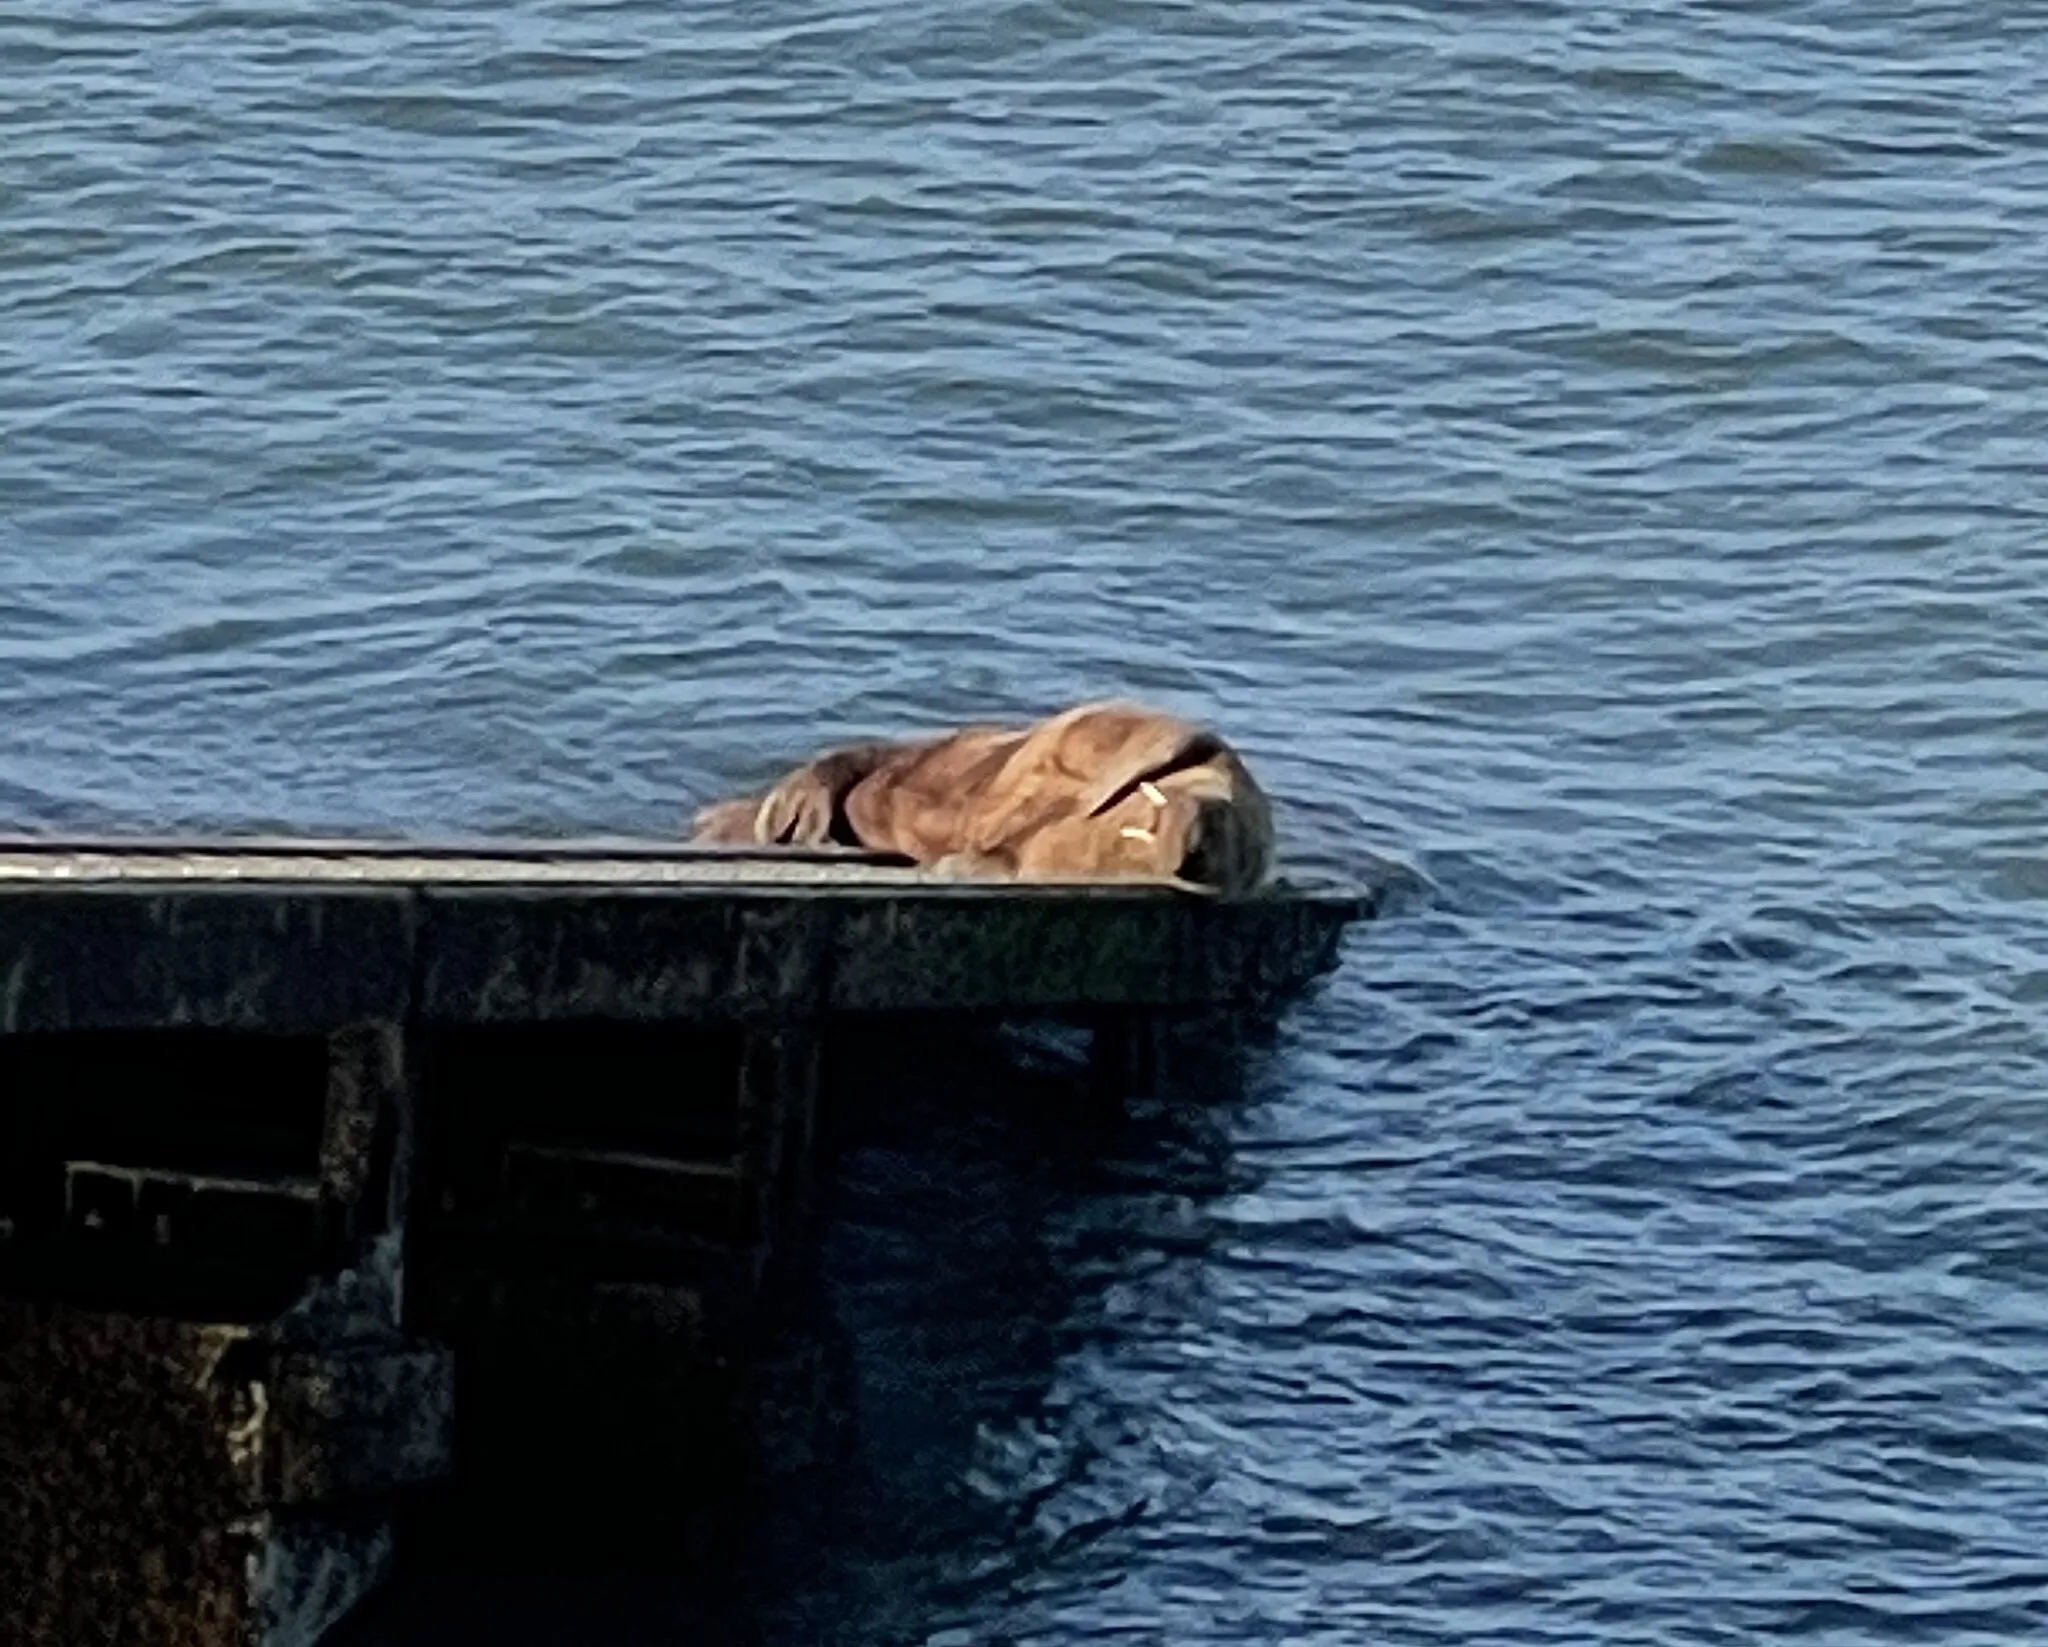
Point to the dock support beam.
(1125, 1051)
(178, 1481)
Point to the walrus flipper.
(807, 807)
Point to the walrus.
(1098, 791)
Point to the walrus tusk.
(1152, 792)
(1131, 832)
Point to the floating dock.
(330, 1171)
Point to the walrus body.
(1102, 790)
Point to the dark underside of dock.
(341, 1177)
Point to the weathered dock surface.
(326, 1167)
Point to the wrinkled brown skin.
(1103, 790)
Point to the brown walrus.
(1104, 789)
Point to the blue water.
(1592, 455)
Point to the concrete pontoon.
(322, 1163)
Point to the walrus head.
(1117, 789)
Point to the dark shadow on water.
(962, 1255)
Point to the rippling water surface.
(1593, 454)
